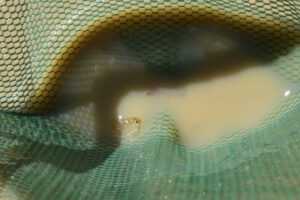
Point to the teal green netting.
(46, 157)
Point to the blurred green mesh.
(43, 156)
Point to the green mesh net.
(46, 154)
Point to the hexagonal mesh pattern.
(48, 51)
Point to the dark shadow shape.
(73, 160)
(109, 89)
(182, 48)
(77, 161)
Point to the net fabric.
(50, 157)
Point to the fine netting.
(49, 151)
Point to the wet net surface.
(49, 156)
